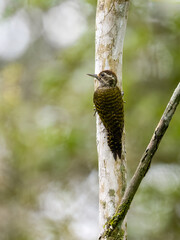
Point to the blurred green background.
(48, 159)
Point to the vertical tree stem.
(111, 20)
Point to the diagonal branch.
(115, 222)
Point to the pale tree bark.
(111, 20)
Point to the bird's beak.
(93, 75)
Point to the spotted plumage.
(109, 106)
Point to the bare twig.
(116, 221)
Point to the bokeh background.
(48, 159)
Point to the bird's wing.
(109, 105)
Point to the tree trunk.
(111, 19)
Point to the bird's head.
(106, 78)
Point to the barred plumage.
(109, 105)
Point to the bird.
(108, 101)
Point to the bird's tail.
(115, 144)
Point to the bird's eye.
(102, 74)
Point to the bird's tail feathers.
(115, 145)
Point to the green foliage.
(47, 134)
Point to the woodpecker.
(108, 103)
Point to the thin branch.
(115, 222)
